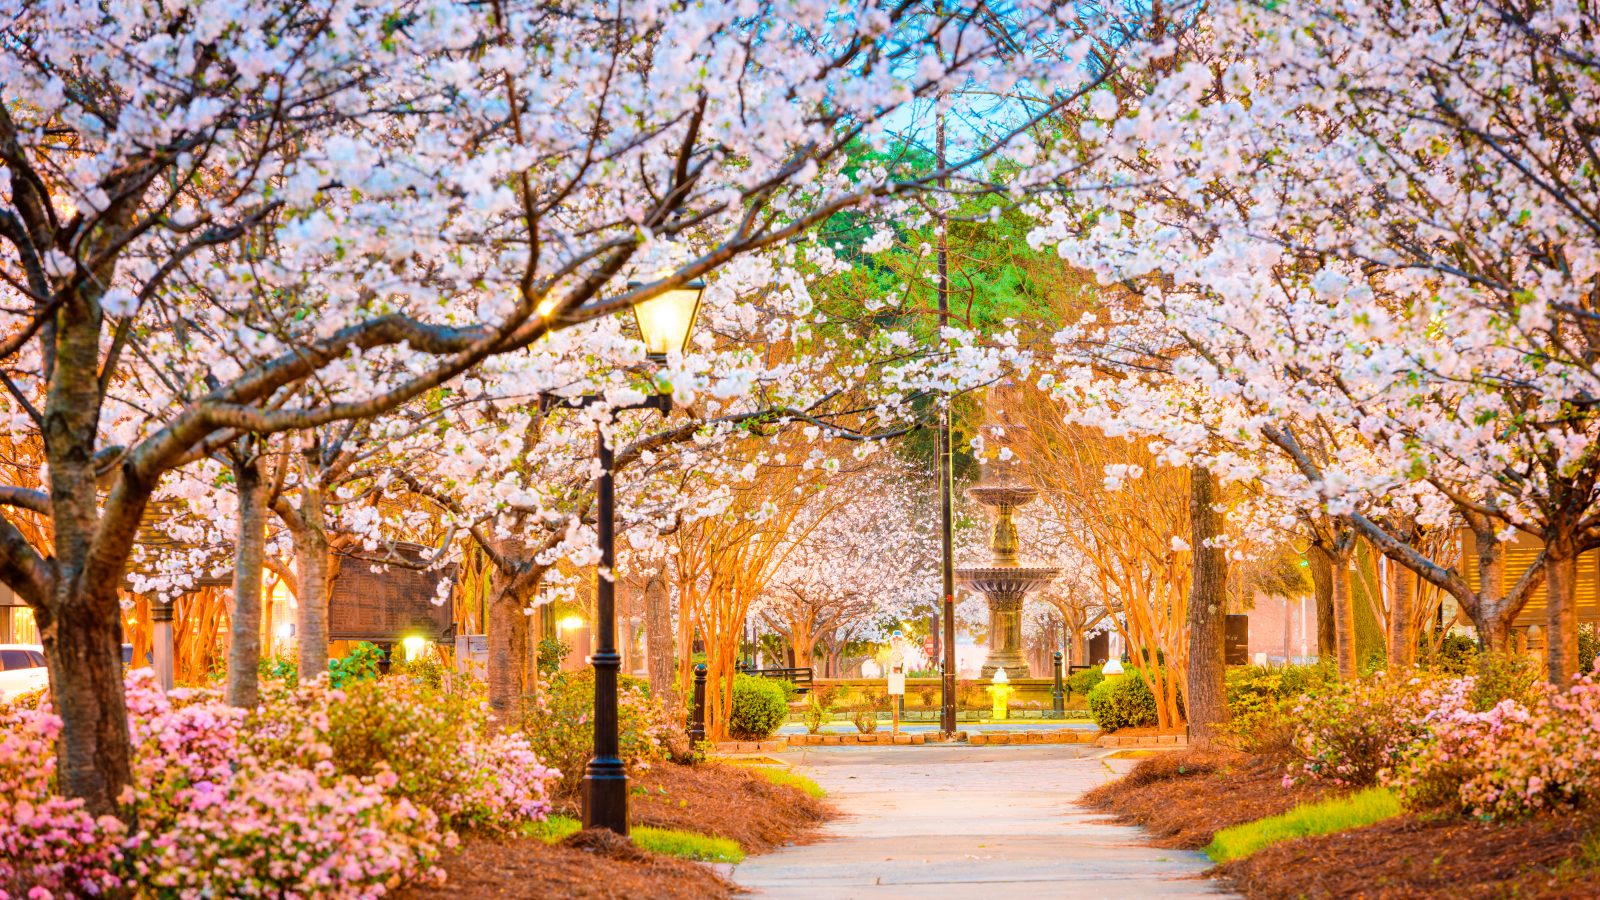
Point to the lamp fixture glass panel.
(666, 321)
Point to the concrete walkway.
(947, 822)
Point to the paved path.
(947, 822)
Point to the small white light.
(415, 646)
(1113, 666)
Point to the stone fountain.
(1004, 582)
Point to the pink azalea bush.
(48, 844)
(438, 744)
(1521, 756)
(1349, 733)
(317, 793)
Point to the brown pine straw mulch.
(593, 865)
(727, 801)
(1186, 797)
(709, 798)
(1549, 856)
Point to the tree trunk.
(658, 636)
(83, 646)
(1322, 585)
(1344, 616)
(1207, 701)
(244, 647)
(506, 650)
(1402, 615)
(1561, 619)
(311, 558)
(802, 636)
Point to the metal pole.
(697, 719)
(605, 782)
(947, 712)
(1058, 697)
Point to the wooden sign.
(390, 604)
(1236, 641)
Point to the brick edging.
(1148, 740)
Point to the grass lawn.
(666, 841)
(1323, 817)
(788, 778)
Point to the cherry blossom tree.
(214, 207)
(1364, 252)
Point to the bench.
(800, 678)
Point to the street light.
(665, 323)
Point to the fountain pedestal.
(1005, 582)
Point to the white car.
(22, 669)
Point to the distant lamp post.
(665, 324)
(1113, 666)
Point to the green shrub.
(280, 668)
(1588, 647)
(361, 665)
(1122, 701)
(552, 650)
(560, 725)
(1457, 654)
(790, 689)
(760, 707)
(865, 720)
(1502, 676)
(815, 715)
(1081, 683)
(1261, 703)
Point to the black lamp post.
(665, 323)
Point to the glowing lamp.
(570, 623)
(665, 322)
(1113, 666)
(415, 645)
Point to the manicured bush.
(1122, 701)
(559, 726)
(1261, 703)
(1081, 683)
(760, 707)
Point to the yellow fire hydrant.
(1000, 691)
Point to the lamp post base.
(605, 796)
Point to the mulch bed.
(1184, 798)
(709, 798)
(593, 865)
(727, 801)
(1413, 856)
